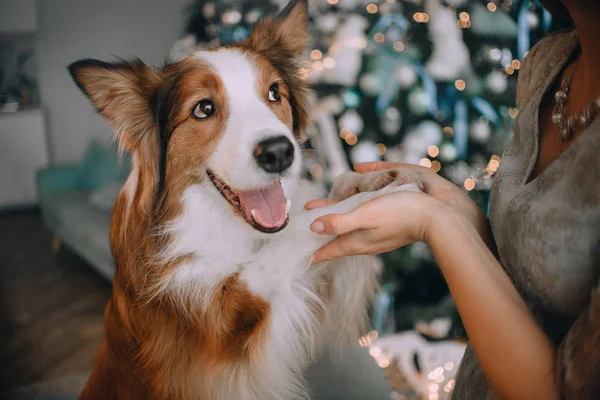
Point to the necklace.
(567, 126)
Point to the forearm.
(515, 354)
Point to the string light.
(513, 112)
(436, 166)
(516, 64)
(316, 170)
(449, 386)
(509, 69)
(316, 55)
(379, 37)
(425, 162)
(303, 72)
(399, 46)
(464, 24)
(434, 387)
(383, 363)
(433, 396)
(329, 62)
(491, 6)
(368, 339)
(344, 132)
(448, 130)
(318, 66)
(375, 351)
(351, 139)
(380, 148)
(469, 184)
(332, 2)
(448, 366)
(460, 84)
(433, 151)
(425, 18)
(421, 17)
(372, 8)
(464, 16)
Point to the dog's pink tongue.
(267, 205)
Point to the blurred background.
(429, 82)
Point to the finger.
(373, 166)
(345, 245)
(319, 203)
(336, 224)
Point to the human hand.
(379, 225)
(431, 183)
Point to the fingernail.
(317, 227)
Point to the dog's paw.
(352, 183)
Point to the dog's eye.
(204, 109)
(274, 95)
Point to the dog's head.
(232, 115)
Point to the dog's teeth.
(288, 205)
(253, 213)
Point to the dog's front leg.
(352, 282)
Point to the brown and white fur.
(204, 305)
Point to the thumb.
(336, 224)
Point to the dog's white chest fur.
(277, 268)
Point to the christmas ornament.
(364, 151)
(480, 130)
(419, 101)
(431, 132)
(390, 121)
(351, 98)
(346, 52)
(437, 361)
(351, 121)
(405, 75)
(492, 24)
(533, 20)
(370, 84)
(496, 82)
(448, 152)
(327, 22)
(450, 59)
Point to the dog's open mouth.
(265, 209)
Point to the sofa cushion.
(104, 198)
(100, 166)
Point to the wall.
(73, 29)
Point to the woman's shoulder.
(541, 61)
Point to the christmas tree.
(429, 82)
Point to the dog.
(214, 296)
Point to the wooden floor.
(51, 308)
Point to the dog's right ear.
(122, 93)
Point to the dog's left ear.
(286, 32)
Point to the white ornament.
(448, 152)
(431, 132)
(405, 75)
(533, 20)
(450, 59)
(346, 51)
(327, 23)
(480, 130)
(419, 101)
(364, 151)
(352, 121)
(438, 361)
(496, 82)
(370, 84)
(391, 121)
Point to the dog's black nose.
(275, 154)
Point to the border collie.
(214, 296)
